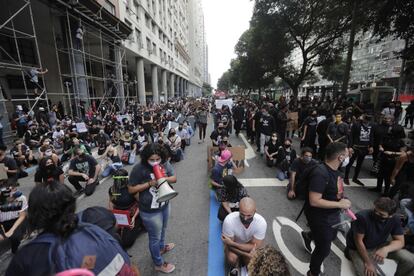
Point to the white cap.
(41, 109)
(19, 107)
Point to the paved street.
(196, 231)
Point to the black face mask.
(142, 133)
(180, 128)
(246, 221)
(220, 129)
(50, 168)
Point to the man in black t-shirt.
(309, 131)
(323, 204)
(299, 165)
(266, 128)
(368, 240)
(83, 168)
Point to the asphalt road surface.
(193, 224)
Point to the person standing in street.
(238, 117)
(324, 203)
(154, 214)
(361, 141)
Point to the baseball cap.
(225, 156)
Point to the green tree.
(224, 83)
(334, 71)
(305, 33)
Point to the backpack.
(89, 247)
(302, 189)
(118, 192)
(305, 186)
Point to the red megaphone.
(164, 190)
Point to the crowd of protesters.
(316, 159)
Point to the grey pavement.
(189, 221)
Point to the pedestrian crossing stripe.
(274, 182)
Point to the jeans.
(281, 175)
(131, 159)
(263, 140)
(404, 259)
(111, 168)
(156, 224)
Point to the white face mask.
(345, 162)
(154, 163)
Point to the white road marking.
(249, 152)
(274, 182)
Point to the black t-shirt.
(127, 145)
(87, 165)
(311, 124)
(216, 136)
(329, 183)
(272, 148)
(266, 124)
(43, 175)
(376, 233)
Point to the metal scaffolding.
(11, 58)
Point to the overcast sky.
(225, 21)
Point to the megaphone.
(164, 190)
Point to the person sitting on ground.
(285, 157)
(102, 140)
(271, 149)
(217, 134)
(128, 148)
(268, 261)
(111, 161)
(47, 171)
(83, 168)
(51, 212)
(230, 196)
(174, 142)
(183, 134)
(32, 137)
(367, 241)
(10, 167)
(47, 150)
(224, 166)
(13, 206)
(242, 232)
(121, 199)
(142, 140)
(297, 171)
(22, 154)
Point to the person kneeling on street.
(242, 232)
(368, 241)
(230, 196)
(13, 223)
(299, 170)
(83, 168)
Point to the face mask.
(142, 133)
(287, 145)
(314, 115)
(172, 134)
(220, 128)
(345, 162)
(81, 156)
(180, 128)
(58, 129)
(50, 168)
(246, 221)
(154, 163)
(274, 138)
(48, 153)
(307, 159)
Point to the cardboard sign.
(238, 157)
(293, 124)
(81, 128)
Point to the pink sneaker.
(165, 268)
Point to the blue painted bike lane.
(215, 245)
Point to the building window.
(148, 44)
(154, 49)
(139, 38)
(109, 6)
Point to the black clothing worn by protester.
(392, 141)
(311, 123)
(329, 183)
(86, 165)
(361, 139)
(281, 123)
(238, 117)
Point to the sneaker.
(346, 181)
(357, 181)
(234, 272)
(165, 268)
(306, 241)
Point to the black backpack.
(118, 192)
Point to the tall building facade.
(164, 56)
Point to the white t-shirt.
(233, 228)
